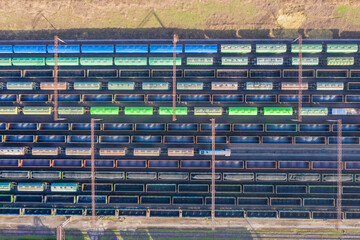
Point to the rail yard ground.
(94, 19)
(144, 19)
(167, 228)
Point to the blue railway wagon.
(319, 202)
(101, 212)
(261, 164)
(100, 163)
(43, 163)
(135, 212)
(165, 48)
(182, 127)
(16, 211)
(221, 201)
(291, 189)
(132, 48)
(265, 189)
(99, 187)
(161, 188)
(64, 48)
(294, 165)
(352, 215)
(187, 200)
(248, 127)
(261, 214)
(325, 215)
(123, 199)
(201, 48)
(155, 200)
(288, 202)
(87, 48)
(199, 164)
(69, 212)
(59, 199)
(163, 164)
(164, 213)
(196, 213)
(324, 165)
(10, 163)
(23, 126)
(100, 199)
(37, 211)
(230, 164)
(322, 189)
(228, 188)
(352, 165)
(294, 214)
(29, 48)
(193, 188)
(131, 163)
(66, 163)
(244, 139)
(253, 201)
(6, 49)
(129, 187)
(29, 199)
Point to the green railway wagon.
(199, 61)
(121, 85)
(270, 48)
(31, 187)
(64, 187)
(71, 110)
(307, 48)
(234, 61)
(7, 110)
(28, 61)
(307, 61)
(139, 111)
(5, 186)
(342, 48)
(32, 110)
(20, 85)
(5, 61)
(163, 61)
(96, 61)
(104, 110)
(314, 111)
(130, 61)
(189, 85)
(63, 61)
(235, 48)
(155, 86)
(87, 85)
(243, 111)
(340, 61)
(278, 111)
(169, 111)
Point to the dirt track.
(193, 18)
